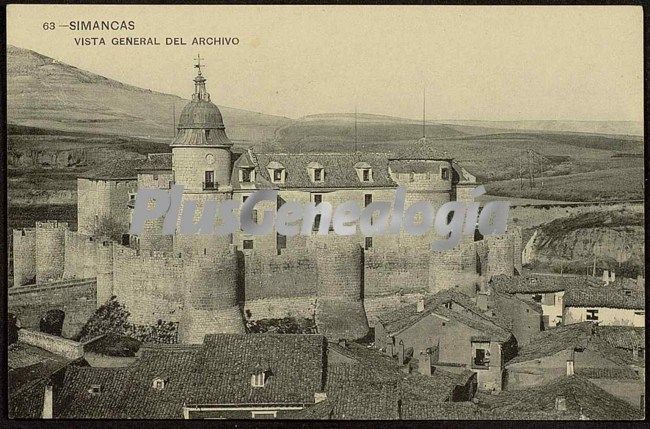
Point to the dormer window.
(246, 174)
(316, 172)
(364, 171)
(258, 379)
(444, 173)
(158, 383)
(277, 172)
(95, 389)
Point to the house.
(365, 384)
(545, 289)
(565, 398)
(575, 349)
(451, 328)
(617, 303)
(34, 376)
(228, 376)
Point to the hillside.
(615, 238)
(45, 93)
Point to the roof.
(200, 113)
(115, 169)
(339, 169)
(425, 410)
(554, 340)
(217, 372)
(624, 337)
(583, 398)
(374, 386)
(157, 162)
(539, 283)
(614, 295)
(30, 369)
(490, 323)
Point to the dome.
(202, 114)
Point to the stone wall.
(53, 344)
(291, 274)
(99, 199)
(77, 298)
(401, 270)
(50, 250)
(24, 253)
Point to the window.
(158, 383)
(444, 173)
(365, 174)
(248, 244)
(244, 198)
(155, 177)
(592, 314)
(258, 379)
(209, 180)
(367, 200)
(537, 297)
(131, 199)
(449, 305)
(281, 241)
(277, 176)
(246, 175)
(368, 242)
(318, 175)
(318, 198)
(481, 357)
(95, 389)
(264, 414)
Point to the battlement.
(52, 224)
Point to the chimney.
(47, 403)
(319, 397)
(424, 362)
(400, 352)
(612, 277)
(482, 301)
(421, 304)
(606, 276)
(569, 367)
(560, 403)
(343, 342)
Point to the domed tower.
(201, 162)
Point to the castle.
(212, 284)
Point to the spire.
(200, 92)
(424, 113)
(355, 128)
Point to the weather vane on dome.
(198, 63)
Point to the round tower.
(340, 312)
(201, 162)
(50, 250)
(210, 303)
(500, 258)
(454, 267)
(24, 253)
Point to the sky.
(473, 62)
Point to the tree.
(52, 322)
(109, 227)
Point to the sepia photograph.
(336, 212)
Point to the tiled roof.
(338, 168)
(425, 410)
(612, 295)
(30, 369)
(227, 361)
(374, 386)
(614, 373)
(156, 162)
(582, 398)
(624, 337)
(217, 372)
(492, 324)
(535, 283)
(554, 340)
(115, 169)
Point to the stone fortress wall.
(332, 279)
